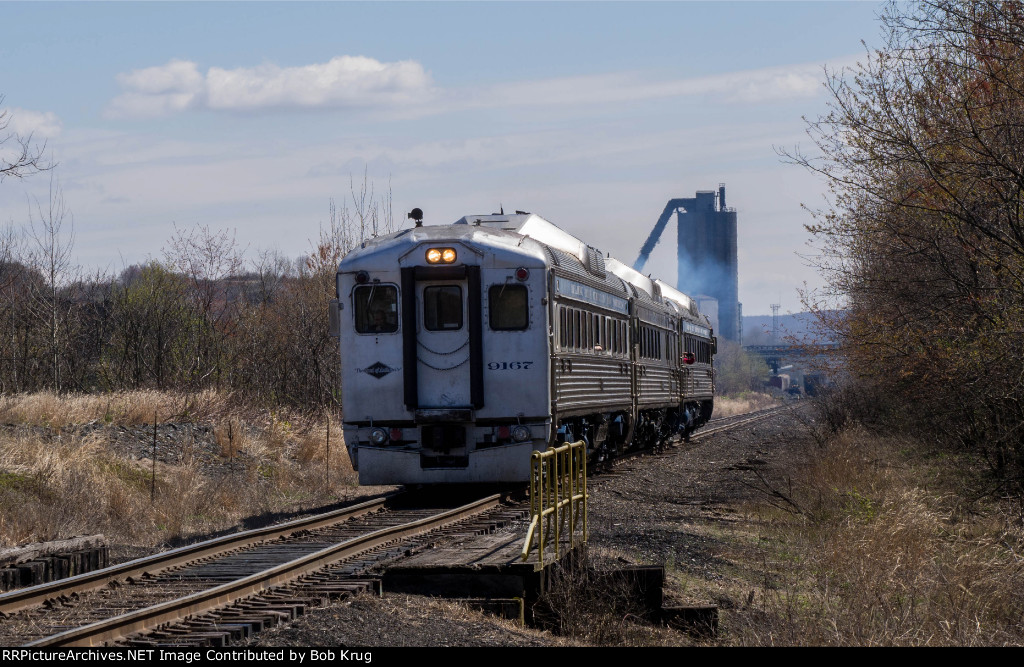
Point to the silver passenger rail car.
(467, 346)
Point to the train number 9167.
(509, 365)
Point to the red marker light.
(522, 274)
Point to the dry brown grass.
(229, 437)
(56, 482)
(883, 550)
(598, 607)
(293, 450)
(121, 408)
(727, 406)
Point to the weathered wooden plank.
(27, 552)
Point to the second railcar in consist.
(466, 346)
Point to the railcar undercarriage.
(613, 434)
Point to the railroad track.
(719, 424)
(716, 425)
(221, 591)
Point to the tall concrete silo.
(706, 253)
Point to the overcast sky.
(252, 116)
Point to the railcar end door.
(443, 344)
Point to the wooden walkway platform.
(478, 566)
(487, 571)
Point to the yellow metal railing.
(558, 499)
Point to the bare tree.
(271, 269)
(20, 156)
(737, 370)
(12, 272)
(374, 215)
(50, 254)
(207, 260)
(10, 253)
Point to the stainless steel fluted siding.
(594, 383)
(697, 384)
(658, 386)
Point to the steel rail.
(747, 415)
(732, 421)
(746, 418)
(36, 595)
(174, 610)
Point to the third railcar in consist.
(466, 346)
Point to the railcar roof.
(473, 235)
(558, 246)
(534, 226)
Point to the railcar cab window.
(442, 307)
(376, 308)
(508, 307)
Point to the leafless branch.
(20, 156)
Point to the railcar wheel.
(706, 408)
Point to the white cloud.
(748, 86)
(177, 76)
(155, 91)
(406, 88)
(798, 81)
(342, 82)
(345, 81)
(41, 124)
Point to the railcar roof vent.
(553, 255)
(595, 262)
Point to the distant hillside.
(757, 329)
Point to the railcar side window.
(376, 308)
(442, 307)
(509, 308)
(651, 344)
(562, 328)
